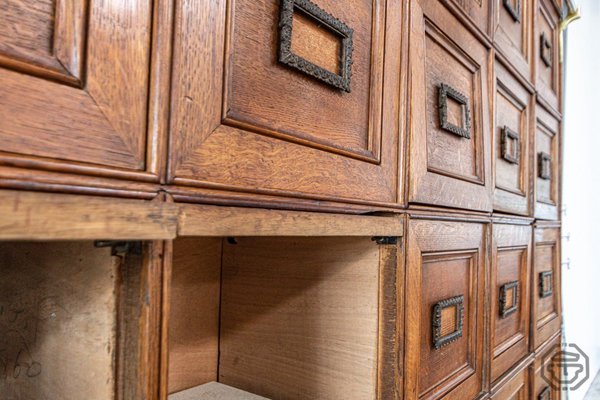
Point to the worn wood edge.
(201, 220)
(501, 218)
(50, 216)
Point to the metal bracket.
(385, 239)
(120, 246)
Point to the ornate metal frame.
(504, 289)
(546, 292)
(445, 92)
(439, 340)
(509, 135)
(287, 57)
(515, 12)
(544, 166)
(545, 46)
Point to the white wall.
(581, 187)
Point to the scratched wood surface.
(57, 321)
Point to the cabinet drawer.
(546, 305)
(477, 12)
(546, 165)
(287, 97)
(546, 53)
(449, 131)
(64, 103)
(513, 31)
(516, 387)
(445, 310)
(509, 293)
(541, 389)
(511, 143)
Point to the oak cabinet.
(546, 53)
(546, 284)
(288, 97)
(509, 296)
(546, 165)
(512, 33)
(510, 153)
(445, 291)
(74, 78)
(449, 141)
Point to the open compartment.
(283, 318)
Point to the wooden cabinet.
(509, 296)
(288, 97)
(513, 34)
(543, 367)
(545, 294)
(546, 53)
(449, 141)
(510, 153)
(74, 79)
(546, 164)
(445, 291)
(515, 387)
(474, 12)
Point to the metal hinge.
(385, 239)
(120, 246)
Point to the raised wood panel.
(58, 331)
(94, 108)
(548, 72)
(247, 122)
(516, 388)
(540, 388)
(476, 12)
(511, 141)
(547, 141)
(445, 260)
(446, 168)
(513, 32)
(546, 307)
(511, 263)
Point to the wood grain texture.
(548, 78)
(194, 297)
(58, 331)
(510, 262)
(517, 388)
(299, 317)
(272, 129)
(44, 216)
(214, 391)
(514, 38)
(444, 259)
(476, 14)
(445, 169)
(199, 220)
(103, 120)
(543, 357)
(547, 139)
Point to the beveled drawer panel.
(512, 33)
(445, 310)
(289, 97)
(509, 294)
(546, 165)
(512, 103)
(514, 388)
(449, 135)
(477, 12)
(546, 53)
(540, 388)
(546, 305)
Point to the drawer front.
(509, 293)
(511, 143)
(68, 93)
(287, 97)
(545, 292)
(546, 165)
(449, 135)
(512, 33)
(445, 310)
(541, 389)
(477, 12)
(517, 388)
(546, 53)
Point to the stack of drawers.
(444, 112)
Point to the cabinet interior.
(280, 317)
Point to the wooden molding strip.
(201, 220)
(50, 216)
